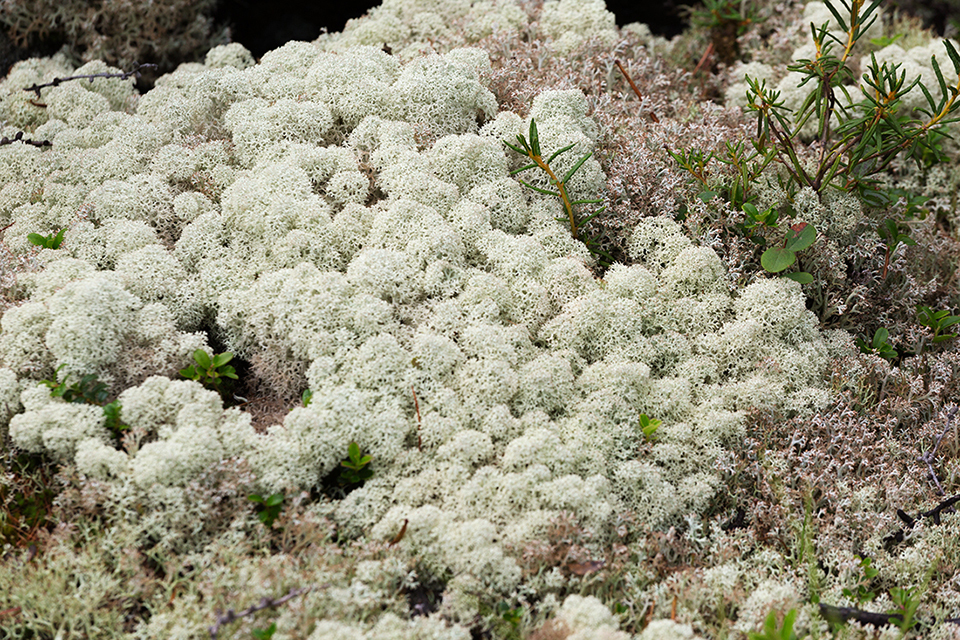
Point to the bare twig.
(927, 458)
(19, 138)
(233, 616)
(653, 116)
(56, 82)
(897, 537)
(416, 405)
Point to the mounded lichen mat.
(344, 218)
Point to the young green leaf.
(776, 259)
(800, 237)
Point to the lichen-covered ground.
(341, 216)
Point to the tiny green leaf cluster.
(649, 427)
(772, 632)
(269, 508)
(879, 346)
(355, 468)
(212, 373)
(90, 390)
(861, 592)
(938, 321)
(49, 241)
(798, 237)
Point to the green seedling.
(938, 321)
(755, 219)
(269, 508)
(88, 389)
(649, 427)
(511, 615)
(112, 413)
(879, 346)
(210, 372)
(772, 632)
(861, 592)
(905, 603)
(355, 468)
(265, 634)
(306, 397)
(531, 149)
(50, 241)
(798, 237)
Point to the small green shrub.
(89, 390)
(856, 141)
(649, 427)
(878, 345)
(213, 373)
(531, 150)
(906, 601)
(355, 469)
(861, 592)
(269, 508)
(49, 241)
(772, 632)
(860, 141)
(938, 321)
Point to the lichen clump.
(343, 220)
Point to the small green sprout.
(265, 634)
(511, 615)
(50, 241)
(113, 423)
(269, 508)
(938, 321)
(885, 41)
(770, 630)
(306, 397)
(88, 389)
(531, 150)
(798, 237)
(879, 346)
(210, 372)
(861, 593)
(355, 470)
(754, 219)
(649, 427)
(906, 601)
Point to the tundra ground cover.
(442, 420)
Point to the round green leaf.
(800, 240)
(222, 359)
(202, 358)
(799, 276)
(776, 259)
